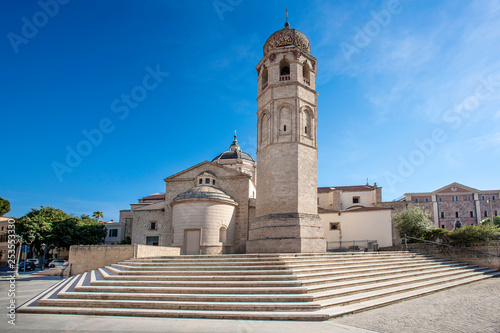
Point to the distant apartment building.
(4, 225)
(456, 205)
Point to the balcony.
(285, 77)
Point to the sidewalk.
(469, 309)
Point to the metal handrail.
(447, 245)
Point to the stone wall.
(83, 258)
(460, 254)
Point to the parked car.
(29, 266)
(57, 262)
(48, 261)
(34, 261)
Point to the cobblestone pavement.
(472, 308)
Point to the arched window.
(264, 128)
(285, 120)
(222, 234)
(284, 70)
(458, 225)
(265, 77)
(306, 123)
(306, 73)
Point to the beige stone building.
(205, 209)
(457, 205)
(352, 219)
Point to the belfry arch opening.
(284, 70)
(265, 77)
(306, 73)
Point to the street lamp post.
(20, 240)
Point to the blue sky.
(409, 93)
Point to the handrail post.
(406, 244)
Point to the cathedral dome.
(204, 192)
(287, 37)
(234, 152)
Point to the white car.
(34, 261)
(57, 262)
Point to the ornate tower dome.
(287, 37)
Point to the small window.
(471, 213)
(458, 225)
(496, 212)
(440, 199)
(222, 234)
(113, 232)
(482, 197)
(207, 181)
(355, 200)
(468, 198)
(456, 214)
(416, 200)
(454, 198)
(442, 226)
(152, 226)
(426, 199)
(335, 226)
(305, 129)
(442, 215)
(485, 213)
(493, 197)
(284, 128)
(213, 182)
(200, 181)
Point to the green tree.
(4, 206)
(413, 222)
(39, 222)
(78, 231)
(97, 215)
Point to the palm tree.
(97, 215)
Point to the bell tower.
(287, 217)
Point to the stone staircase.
(261, 286)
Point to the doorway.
(192, 241)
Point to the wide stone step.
(381, 273)
(342, 288)
(193, 290)
(166, 268)
(205, 272)
(303, 272)
(210, 314)
(189, 297)
(131, 277)
(183, 305)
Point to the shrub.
(475, 234)
(437, 234)
(413, 222)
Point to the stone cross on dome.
(287, 25)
